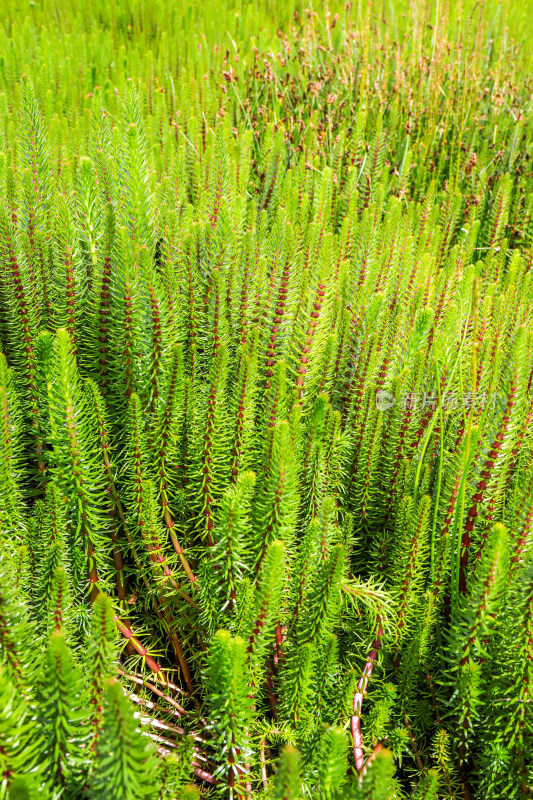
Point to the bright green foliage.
(17, 640)
(266, 400)
(176, 772)
(471, 634)
(19, 745)
(100, 659)
(287, 782)
(125, 764)
(377, 783)
(10, 462)
(332, 761)
(61, 712)
(428, 787)
(265, 610)
(227, 683)
(25, 788)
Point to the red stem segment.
(358, 701)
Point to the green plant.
(266, 395)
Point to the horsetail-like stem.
(266, 391)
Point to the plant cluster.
(266, 391)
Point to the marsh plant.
(266, 474)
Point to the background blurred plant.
(266, 488)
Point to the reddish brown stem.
(358, 701)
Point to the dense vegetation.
(266, 390)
